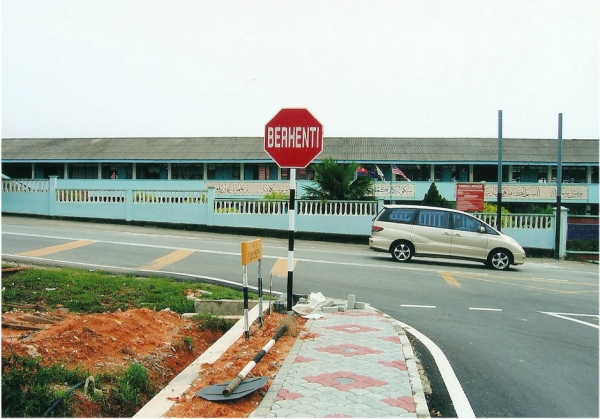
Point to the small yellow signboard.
(251, 251)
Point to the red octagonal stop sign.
(293, 138)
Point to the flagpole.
(391, 182)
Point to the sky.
(382, 68)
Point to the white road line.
(565, 317)
(415, 306)
(220, 252)
(461, 404)
(485, 309)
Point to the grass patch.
(31, 389)
(82, 291)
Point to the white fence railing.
(90, 195)
(337, 208)
(119, 196)
(261, 206)
(520, 221)
(170, 197)
(25, 185)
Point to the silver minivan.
(412, 230)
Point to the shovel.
(239, 387)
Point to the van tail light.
(375, 229)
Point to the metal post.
(260, 293)
(499, 197)
(291, 213)
(558, 189)
(245, 284)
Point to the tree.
(433, 198)
(336, 181)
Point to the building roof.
(251, 149)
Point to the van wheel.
(499, 259)
(402, 251)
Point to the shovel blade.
(214, 393)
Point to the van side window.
(464, 223)
(432, 218)
(399, 215)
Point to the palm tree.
(339, 182)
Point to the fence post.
(52, 183)
(129, 204)
(210, 209)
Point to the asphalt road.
(523, 343)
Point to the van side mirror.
(482, 229)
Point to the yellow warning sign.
(251, 251)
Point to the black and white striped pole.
(244, 372)
(291, 229)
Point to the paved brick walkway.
(353, 363)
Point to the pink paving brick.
(283, 394)
(353, 328)
(405, 402)
(348, 349)
(301, 359)
(401, 365)
(345, 380)
(393, 339)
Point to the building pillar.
(588, 174)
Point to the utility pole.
(499, 197)
(558, 191)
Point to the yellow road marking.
(450, 280)
(551, 281)
(173, 257)
(58, 248)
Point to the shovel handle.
(232, 386)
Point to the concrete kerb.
(160, 404)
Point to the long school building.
(239, 166)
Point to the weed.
(188, 343)
(28, 388)
(213, 323)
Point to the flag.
(397, 171)
(380, 173)
(364, 171)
